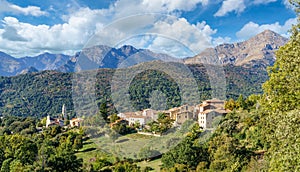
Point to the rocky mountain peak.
(257, 51)
(128, 49)
(268, 36)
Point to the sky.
(181, 28)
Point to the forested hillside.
(262, 131)
(44, 93)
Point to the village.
(204, 114)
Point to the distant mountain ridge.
(100, 56)
(10, 66)
(258, 51)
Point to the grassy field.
(88, 152)
(155, 164)
(127, 146)
(130, 145)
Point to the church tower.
(64, 112)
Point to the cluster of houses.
(75, 122)
(204, 114)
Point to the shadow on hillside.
(87, 143)
(88, 150)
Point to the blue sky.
(177, 27)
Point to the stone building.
(209, 110)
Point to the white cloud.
(123, 8)
(287, 4)
(251, 28)
(67, 37)
(263, 1)
(179, 32)
(228, 6)
(171, 5)
(30, 10)
(239, 6)
(159, 33)
(221, 40)
(84, 24)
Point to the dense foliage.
(262, 131)
(24, 148)
(44, 93)
(281, 104)
(260, 134)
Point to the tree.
(122, 128)
(27, 152)
(241, 102)
(78, 144)
(137, 125)
(252, 101)
(55, 130)
(64, 159)
(113, 118)
(43, 121)
(103, 111)
(126, 167)
(17, 166)
(185, 153)
(147, 152)
(2, 158)
(281, 96)
(284, 151)
(100, 163)
(165, 122)
(230, 105)
(186, 126)
(226, 155)
(6, 165)
(113, 135)
(282, 90)
(296, 4)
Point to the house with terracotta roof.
(54, 121)
(209, 110)
(153, 114)
(76, 122)
(135, 117)
(182, 114)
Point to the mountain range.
(258, 51)
(100, 56)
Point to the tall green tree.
(281, 97)
(285, 149)
(282, 90)
(103, 111)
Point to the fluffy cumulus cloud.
(30, 10)
(67, 37)
(175, 35)
(251, 28)
(157, 32)
(230, 6)
(123, 22)
(239, 6)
